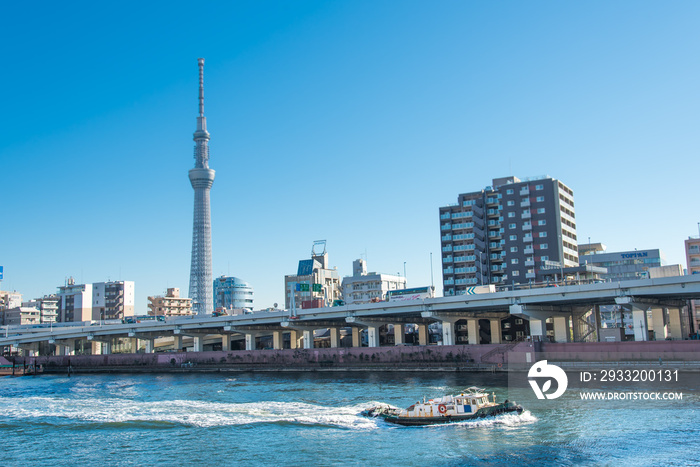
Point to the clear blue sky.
(350, 121)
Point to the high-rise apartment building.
(113, 300)
(75, 302)
(508, 233)
(232, 293)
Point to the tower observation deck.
(202, 179)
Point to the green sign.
(318, 288)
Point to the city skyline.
(351, 122)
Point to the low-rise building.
(170, 305)
(364, 287)
(314, 285)
(48, 307)
(231, 293)
(10, 300)
(20, 315)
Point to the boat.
(471, 404)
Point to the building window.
(515, 273)
(513, 249)
(543, 234)
(540, 210)
(509, 191)
(539, 187)
(543, 246)
(545, 258)
(511, 226)
(513, 237)
(514, 261)
(511, 203)
(539, 199)
(542, 222)
(511, 214)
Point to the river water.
(307, 418)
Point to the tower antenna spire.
(201, 86)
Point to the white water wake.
(185, 412)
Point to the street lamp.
(404, 275)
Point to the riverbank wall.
(486, 357)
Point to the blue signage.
(641, 254)
(0, 273)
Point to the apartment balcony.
(524, 191)
(527, 226)
(447, 248)
(524, 204)
(529, 263)
(495, 234)
(526, 215)
(449, 281)
(529, 250)
(493, 212)
(447, 260)
(496, 258)
(446, 238)
(496, 246)
(529, 275)
(494, 223)
(445, 216)
(446, 227)
(449, 270)
(490, 201)
(528, 238)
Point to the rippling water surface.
(313, 419)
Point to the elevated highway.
(573, 308)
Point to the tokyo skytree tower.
(202, 178)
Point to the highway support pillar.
(250, 340)
(674, 323)
(472, 332)
(422, 334)
(277, 340)
(177, 343)
(562, 329)
(308, 338)
(658, 324)
(537, 317)
(197, 343)
(639, 318)
(495, 324)
(356, 337)
(226, 342)
(293, 339)
(335, 337)
(149, 347)
(372, 328)
(399, 334)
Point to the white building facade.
(364, 287)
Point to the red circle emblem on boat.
(442, 409)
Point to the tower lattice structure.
(202, 179)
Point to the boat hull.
(481, 413)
